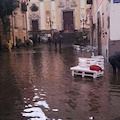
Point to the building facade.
(19, 32)
(105, 26)
(61, 15)
(18, 26)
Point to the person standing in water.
(55, 38)
(60, 39)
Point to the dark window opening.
(116, 1)
(89, 1)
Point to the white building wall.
(115, 21)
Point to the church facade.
(62, 15)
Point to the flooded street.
(36, 84)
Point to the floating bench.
(83, 69)
(77, 70)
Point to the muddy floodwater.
(36, 84)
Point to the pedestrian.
(115, 61)
(49, 39)
(60, 39)
(55, 37)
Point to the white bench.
(85, 71)
(92, 61)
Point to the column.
(42, 15)
(53, 14)
(82, 8)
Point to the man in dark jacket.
(115, 61)
(60, 39)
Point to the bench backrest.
(93, 61)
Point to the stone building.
(105, 27)
(62, 15)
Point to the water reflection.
(10, 95)
(36, 84)
(34, 111)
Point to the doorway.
(68, 25)
(34, 31)
(35, 26)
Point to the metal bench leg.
(72, 72)
(83, 74)
(94, 75)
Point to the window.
(116, 1)
(34, 8)
(89, 1)
(15, 22)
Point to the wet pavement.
(36, 84)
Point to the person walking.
(60, 39)
(49, 39)
(115, 61)
(55, 37)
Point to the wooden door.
(35, 26)
(68, 20)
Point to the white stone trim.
(28, 25)
(82, 4)
(42, 14)
(53, 14)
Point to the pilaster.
(53, 14)
(42, 15)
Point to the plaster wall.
(19, 25)
(101, 7)
(115, 21)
